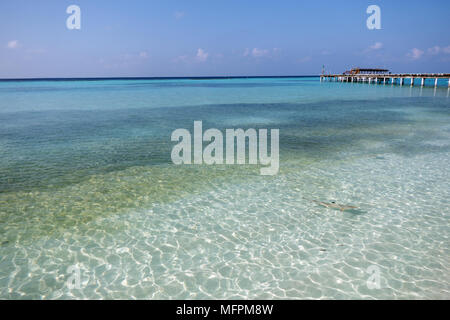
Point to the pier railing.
(398, 78)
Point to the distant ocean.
(88, 191)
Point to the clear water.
(86, 183)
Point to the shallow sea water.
(86, 184)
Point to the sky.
(150, 38)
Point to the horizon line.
(151, 78)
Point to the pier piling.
(380, 76)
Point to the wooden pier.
(382, 76)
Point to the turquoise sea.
(91, 206)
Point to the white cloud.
(257, 53)
(376, 46)
(434, 50)
(437, 50)
(179, 14)
(143, 55)
(13, 44)
(202, 55)
(415, 54)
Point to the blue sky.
(220, 38)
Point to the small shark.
(334, 205)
